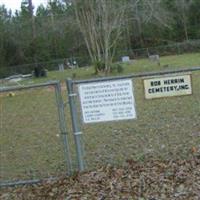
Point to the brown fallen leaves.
(152, 180)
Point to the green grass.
(29, 141)
(141, 65)
(165, 128)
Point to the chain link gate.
(166, 128)
(34, 140)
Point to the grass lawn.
(166, 128)
(142, 65)
(30, 135)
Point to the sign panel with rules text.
(107, 101)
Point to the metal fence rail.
(34, 141)
(166, 128)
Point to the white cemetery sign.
(166, 86)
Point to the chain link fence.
(163, 50)
(34, 140)
(165, 128)
(66, 63)
(53, 65)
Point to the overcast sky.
(15, 4)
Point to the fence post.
(63, 127)
(76, 129)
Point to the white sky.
(16, 4)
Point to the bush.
(120, 68)
(99, 66)
(117, 67)
(40, 72)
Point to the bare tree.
(31, 8)
(143, 12)
(100, 22)
(183, 7)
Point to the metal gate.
(34, 140)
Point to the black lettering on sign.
(150, 91)
(186, 87)
(174, 81)
(157, 90)
(155, 83)
(183, 87)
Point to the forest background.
(56, 32)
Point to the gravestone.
(61, 67)
(125, 59)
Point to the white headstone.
(125, 59)
(61, 67)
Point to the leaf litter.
(149, 180)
